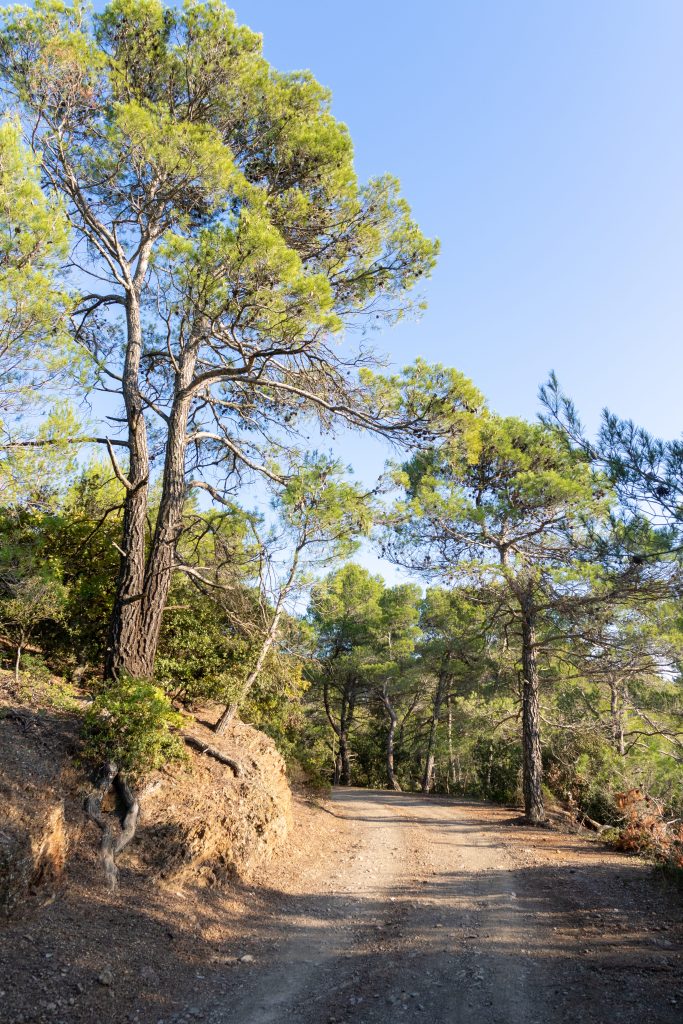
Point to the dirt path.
(382, 908)
(432, 910)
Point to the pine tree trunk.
(532, 771)
(123, 646)
(451, 756)
(144, 584)
(345, 770)
(346, 718)
(392, 781)
(342, 766)
(428, 774)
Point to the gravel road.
(432, 910)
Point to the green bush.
(131, 723)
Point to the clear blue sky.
(543, 144)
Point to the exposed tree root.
(204, 748)
(111, 846)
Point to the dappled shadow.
(546, 943)
(459, 942)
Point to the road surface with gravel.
(435, 910)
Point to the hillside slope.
(71, 948)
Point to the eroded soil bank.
(383, 907)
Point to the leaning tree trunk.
(268, 641)
(232, 709)
(392, 781)
(532, 769)
(143, 587)
(428, 775)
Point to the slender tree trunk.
(532, 772)
(345, 760)
(348, 707)
(336, 729)
(617, 716)
(232, 709)
(17, 664)
(342, 764)
(428, 774)
(392, 781)
(451, 757)
(268, 641)
(489, 769)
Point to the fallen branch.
(210, 751)
(577, 817)
(593, 824)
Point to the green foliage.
(247, 184)
(497, 765)
(31, 600)
(131, 723)
(36, 349)
(33, 243)
(202, 656)
(71, 539)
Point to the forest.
(195, 290)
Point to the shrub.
(131, 723)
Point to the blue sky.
(543, 144)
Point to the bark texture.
(144, 581)
(439, 694)
(532, 772)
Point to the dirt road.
(442, 911)
(381, 908)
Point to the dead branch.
(205, 748)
